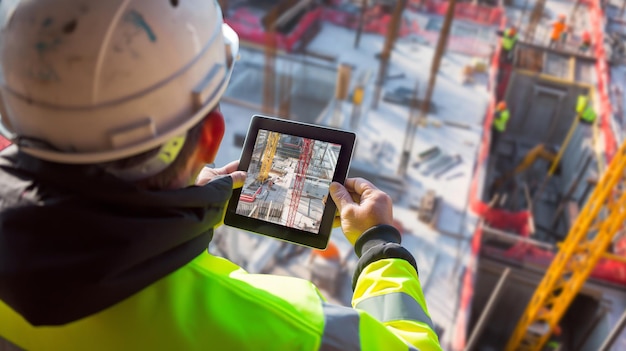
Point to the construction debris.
(428, 208)
(455, 176)
(456, 160)
(427, 155)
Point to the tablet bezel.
(344, 138)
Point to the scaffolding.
(298, 184)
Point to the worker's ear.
(212, 133)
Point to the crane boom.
(268, 155)
(588, 239)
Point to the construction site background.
(420, 90)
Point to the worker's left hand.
(207, 174)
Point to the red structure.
(249, 27)
(251, 198)
(298, 184)
(4, 143)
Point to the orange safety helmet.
(501, 106)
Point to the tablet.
(290, 166)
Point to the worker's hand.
(361, 206)
(207, 174)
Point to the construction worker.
(107, 206)
(585, 42)
(555, 342)
(507, 43)
(585, 110)
(557, 36)
(498, 127)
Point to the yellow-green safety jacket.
(500, 120)
(116, 267)
(212, 304)
(585, 109)
(508, 40)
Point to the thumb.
(340, 195)
(239, 177)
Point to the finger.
(205, 176)
(239, 177)
(355, 197)
(230, 168)
(359, 185)
(340, 195)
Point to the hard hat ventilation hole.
(174, 3)
(70, 27)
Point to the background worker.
(585, 43)
(557, 36)
(107, 207)
(498, 127)
(507, 44)
(585, 110)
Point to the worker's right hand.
(361, 206)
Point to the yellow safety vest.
(585, 109)
(508, 40)
(500, 120)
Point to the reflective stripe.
(394, 307)
(341, 329)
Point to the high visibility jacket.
(508, 40)
(585, 110)
(212, 304)
(116, 267)
(500, 120)
(557, 29)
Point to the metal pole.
(493, 299)
(535, 17)
(425, 106)
(617, 330)
(385, 56)
(557, 159)
(521, 17)
(409, 135)
(269, 72)
(359, 29)
(439, 50)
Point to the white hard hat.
(91, 81)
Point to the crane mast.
(268, 156)
(587, 241)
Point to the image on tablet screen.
(288, 180)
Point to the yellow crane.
(587, 241)
(268, 156)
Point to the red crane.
(303, 165)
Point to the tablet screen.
(290, 166)
(288, 180)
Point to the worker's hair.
(170, 174)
